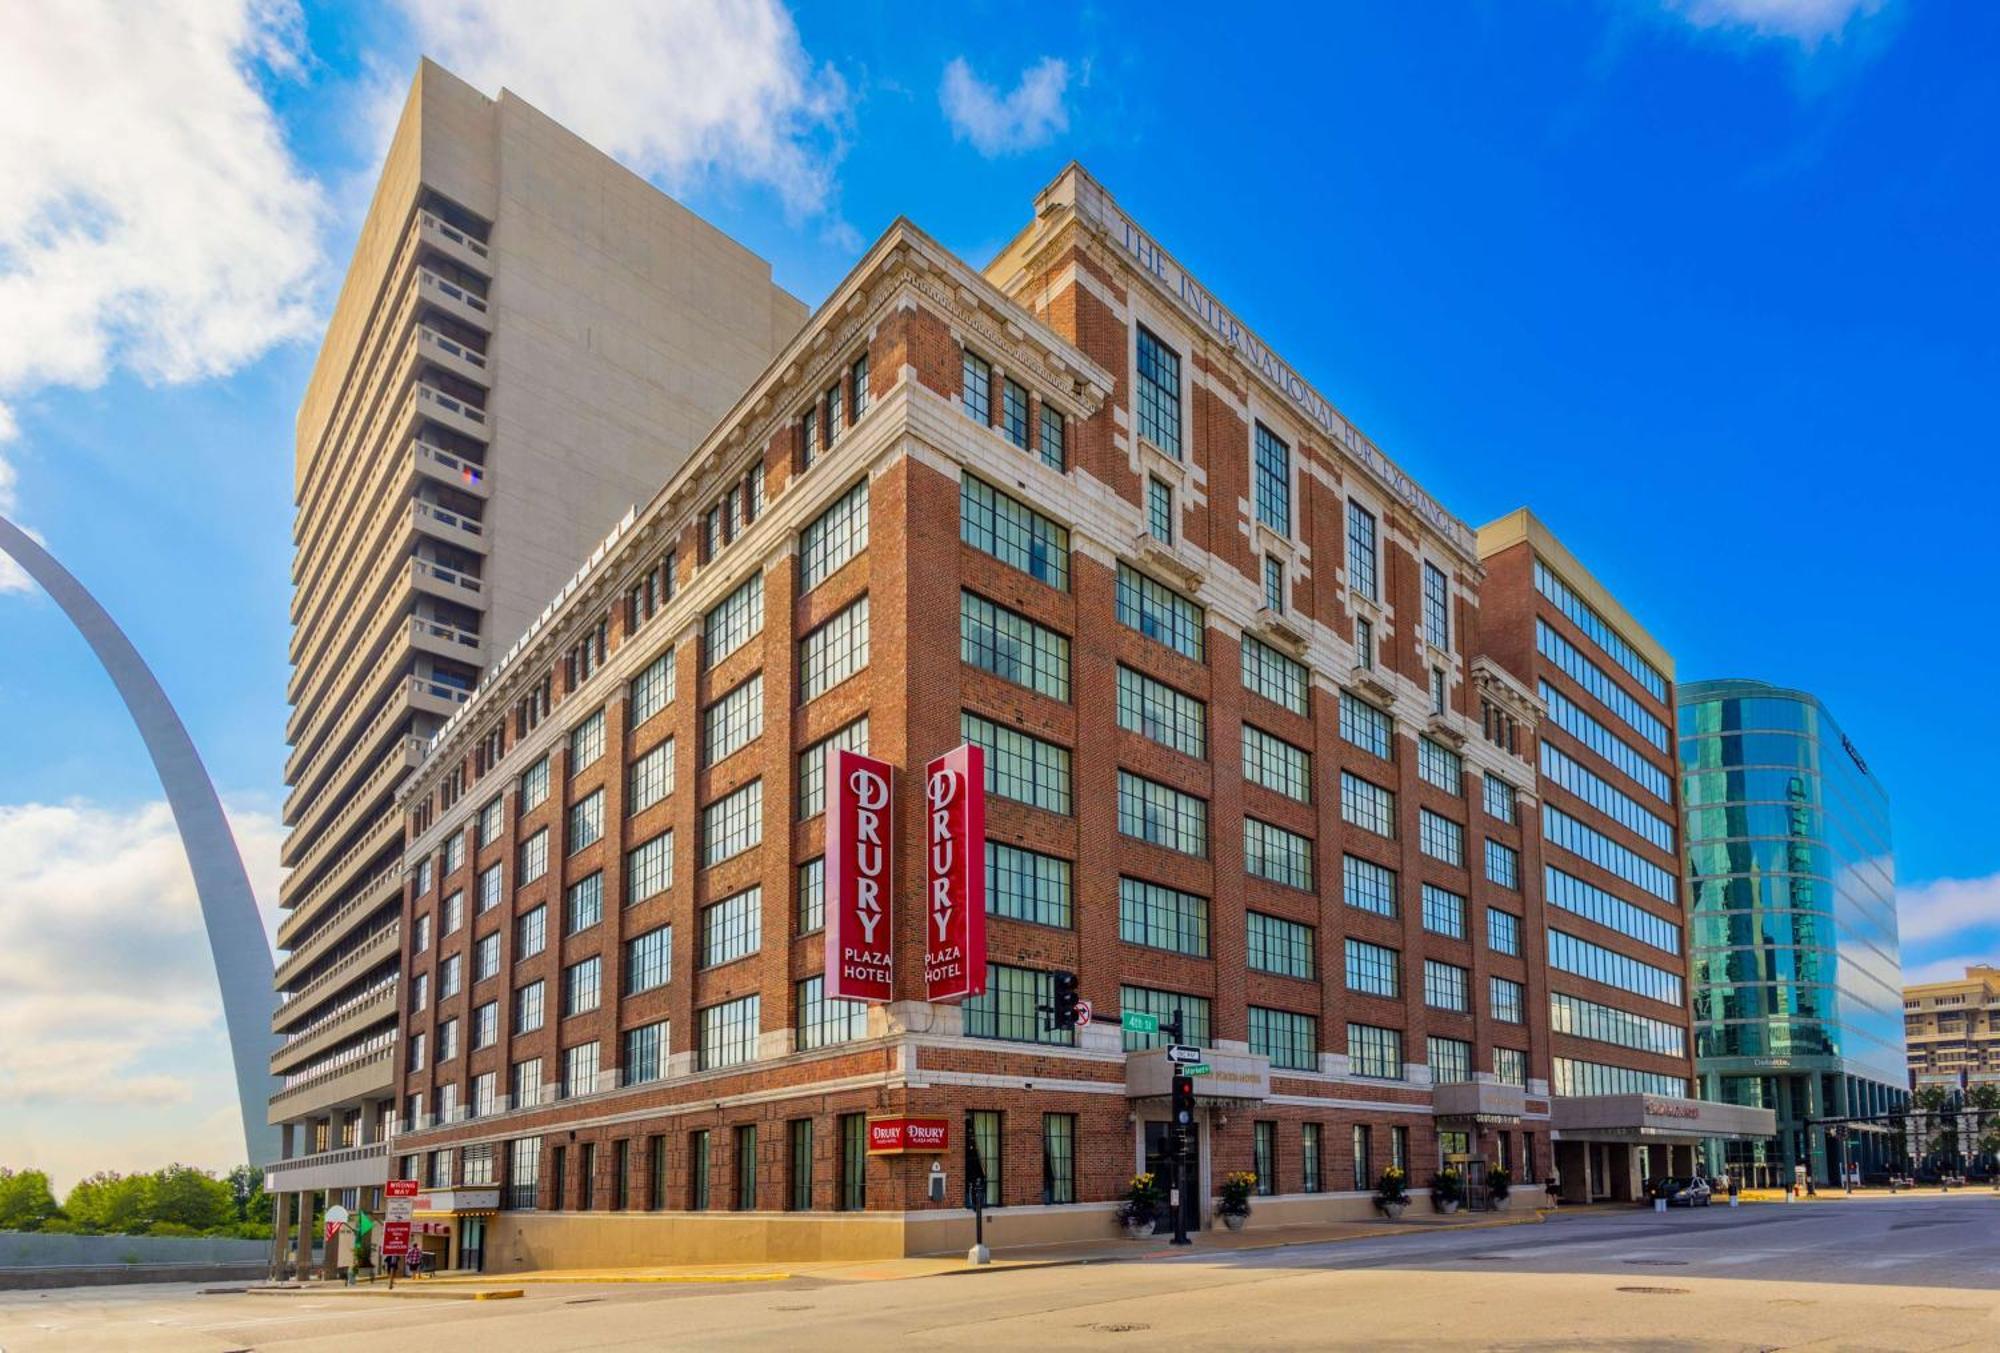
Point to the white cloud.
(1807, 22)
(1029, 116)
(12, 578)
(107, 987)
(1950, 969)
(673, 90)
(1948, 908)
(151, 217)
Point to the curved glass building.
(1797, 979)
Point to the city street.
(1919, 1272)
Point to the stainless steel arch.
(228, 908)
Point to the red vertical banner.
(955, 875)
(860, 837)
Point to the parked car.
(1679, 1191)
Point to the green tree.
(111, 1202)
(26, 1201)
(246, 1186)
(185, 1196)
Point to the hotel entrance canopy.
(1643, 1118)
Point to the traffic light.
(1183, 1101)
(1064, 1013)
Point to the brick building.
(1254, 753)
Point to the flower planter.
(1447, 1205)
(1393, 1211)
(1500, 1203)
(1234, 1222)
(1138, 1230)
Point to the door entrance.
(1478, 1196)
(1161, 1166)
(472, 1244)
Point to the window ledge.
(1372, 684)
(1156, 554)
(1280, 630)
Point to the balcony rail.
(427, 394)
(397, 758)
(458, 467)
(453, 233)
(423, 511)
(451, 347)
(390, 710)
(339, 1012)
(286, 1000)
(305, 901)
(449, 576)
(377, 1045)
(437, 629)
(453, 290)
(305, 950)
(339, 1155)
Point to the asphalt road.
(1913, 1273)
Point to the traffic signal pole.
(1180, 1129)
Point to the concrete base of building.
(520, 1241)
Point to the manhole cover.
(1657, 1291)
(1659, 1263)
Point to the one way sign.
(1180, 1054)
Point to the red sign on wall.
(401, 1188)
(859, 837)
(395, 1237)
(955, 874)
(897, 1136)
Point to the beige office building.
(1953, 1028)
(529, 340)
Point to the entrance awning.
(1230, 1076)
(1624, 1118)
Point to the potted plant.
(1392, 1193)
(1234, 1208)
(1448, 1190)
(1499, 1184)
(1140, 1206)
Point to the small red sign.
(897, 1136)
(401, 1188)
(955, 874)
(860, 836)
(395, 1236)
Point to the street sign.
(399, 1209)
(1138, 1022)
(401, 1188)
(1083, 1013)
(395, 1237)
(1199, 1069)
(1183, 1055)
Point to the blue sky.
(1705, 282)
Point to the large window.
(1444, 912)
(732, 928)
(982, 1134)
(1450, 1059)
(1503, 932)
(1439, 765)
(728, 1033)
(1440, 838)
(1153, 812)
(1051, 448)
(652, 777)
(824, 1022)
(733, 621)
(1573, 1077)
(645, 1053)
(1374, 1051)
(1367, 805)
(1009, 1008)
(653, 688)
(1156, 710)
(1019, 765)
(1274, 481)
(649, 868)
(1013, 647)
(487, 888)
(1289, 1039)
(1579, 1018)
(1550, 643)
(976, 389)
(491, 819)
(1280, 946)
(1510, 1067)
(1373, 970)
(834, 652)
(534, 858)
(1368, 885)
(1585, 618)
(1159, 393)
(1058, 1158)
(1013, 532)
(582, 986)
(534, 789)
(1194, 1011)
(1025, 885)
(1276, 764)
(1501, 799)
(1508, 1000)
(1573, 719)
(586, 742)
(1160, 613)
(586, 821)
(1014, 412)
(1446, 986)
(1310, 1178)
(812, 764)
(1437, 607)
(1280, 856)
(834, 537)
(1367, 727)
(1503, 864)
(812, 896)
(799, 1150)
(1560, 829)
(1271, 674)
(733, 722)
(583, 903)
(732, 825)
(1162, 918)
(1362, 574)
(531, 933)
(851, 1194)
(1580, 957)
(1588, 900)
(1159, 509)
(649, 960)
(1604, 796)
(744, 1141)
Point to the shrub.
(1499, 1181)
(171, 1228)
(1141, 1203)
(1393, 1186)
(1448, 1186)
(1236, 1194)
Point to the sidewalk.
(1109, 1250)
